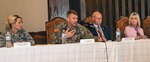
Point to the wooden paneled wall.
(57, 8)
(110, 9)
(113, 9)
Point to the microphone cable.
(106, 49)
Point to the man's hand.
(101, 39)
(69, 34)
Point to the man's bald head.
(95, 13)
(97, 17)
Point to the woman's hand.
(141, 37)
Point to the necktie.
(101, 34)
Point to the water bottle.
(8, 40)
(118, 35)
(63, 38)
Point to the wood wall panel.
(113, 9)
(116, 9)
(57, 8)
(136, 5)
(83, 9)
(123, 7)
(110, 9)
(103, 11)
(148, 7)
(129, 7)
(142, 9)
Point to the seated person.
(73, 31)
(18, 34)
(99, 31)
(133, 29)
(2, 40)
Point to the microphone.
(104, 40)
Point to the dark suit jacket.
(92, 29)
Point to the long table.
(138, 51)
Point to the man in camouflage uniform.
(73, 31)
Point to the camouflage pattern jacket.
(81, 33)
(20, 36)
(2, 40)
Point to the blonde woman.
(18, 34)
(133, 29)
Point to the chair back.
(121, 23)
(87, 20)
(50, 28)
(146, 25)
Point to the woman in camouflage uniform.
(18, 34)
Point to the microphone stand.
(106, 50)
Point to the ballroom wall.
(113, 9)
(110, 9)
(34, 13)
(57, 8)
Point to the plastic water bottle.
(63, 38)
(8, 40)
(118, 35)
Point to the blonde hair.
(138, 18)
(12, 19)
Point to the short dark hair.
(71, 12)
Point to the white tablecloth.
(138, 51)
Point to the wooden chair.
(146, 26)
(86, 21)
(39, 37)
(121, 23)
(50, 28)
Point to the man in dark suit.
(100, 32)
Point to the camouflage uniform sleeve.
(2, 40)
(57, 34)
(87, 34)
(56, 38)
(28, 38)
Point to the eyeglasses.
(98, 18)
